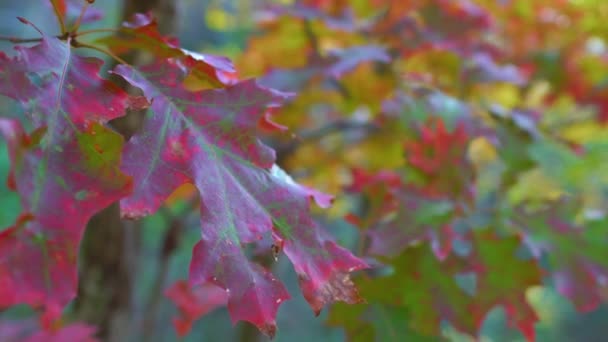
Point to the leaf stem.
(79, 20)
(99, 30)
(59, 17)
(177, 224)
(317, 56)
(313, 135)
(27, 22)
(102, 50)
(19, 40)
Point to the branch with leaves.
(71, 163)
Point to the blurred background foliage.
(228, 27)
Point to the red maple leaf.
(194, 302)
(30, 331)
(208, 138)
(142, 33)
(65, 171)
(440, 157)
(70, 10)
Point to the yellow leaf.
(219, 20)
(481, 152)
(534, 186)
(504, 94)
(535, 97)
(584, 132)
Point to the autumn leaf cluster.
(466, 141)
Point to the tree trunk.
(104, 288)
(109, 251)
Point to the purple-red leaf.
(30, 331)
(59, 89)
(194, 302)
(209, 138)
(350, 58)
(61, 187)
(65, 171)
(69, 11)
(483, 68)
(142, 33)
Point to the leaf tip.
(269, 330)
(338, 288)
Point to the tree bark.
(104, 287)
(109, 250)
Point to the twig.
(312, 38)
(59, 17)
(79, 20)
(337, 126)
(170, 242)
(19, 40)
(323, 131)
(100, 30)
(102, 50)
(316, 55)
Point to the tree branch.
(110, 251)
(316, 56)
(321, 132)
(19, 40)
(170, 242)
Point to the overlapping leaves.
(482, 194)
(72, 166)
(65, 171)
(482, 188)
(208, 138)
